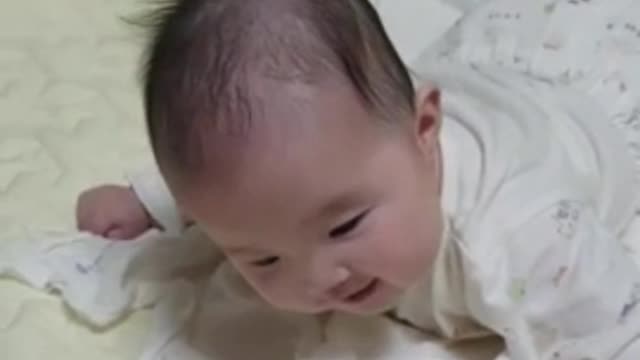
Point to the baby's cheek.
(409, 254)
(389, 247)
(275, 287)
(258, 282)
(265, 287)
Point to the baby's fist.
(112, 211)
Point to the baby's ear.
(428, 116)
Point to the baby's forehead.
(296, 129)
(293, 119)
(312, 179)
(328, 102)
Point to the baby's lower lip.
(364, 293)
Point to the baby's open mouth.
(363, 293)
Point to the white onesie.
(540, 141)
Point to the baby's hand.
(112, 211)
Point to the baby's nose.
(326, 286)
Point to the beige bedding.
(70, 117)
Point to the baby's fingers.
(94, 224)
(121, 233)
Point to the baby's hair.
(204, 54)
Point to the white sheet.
(197, 315)
(70, 116)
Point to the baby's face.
(330, 211)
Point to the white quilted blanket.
(70, 117)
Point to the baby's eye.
(348, 226)
(268, 261)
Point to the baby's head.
(290, 131)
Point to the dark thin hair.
(203, 53)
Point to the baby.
(493, 200)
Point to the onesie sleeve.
(154, 194)
(560, 286)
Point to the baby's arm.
(562, 287)
(126, 212)
(153, 193)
